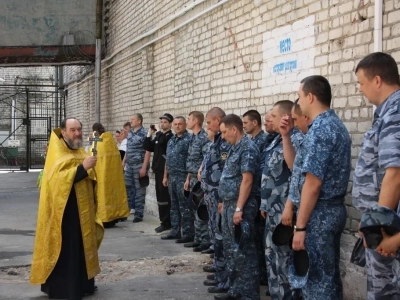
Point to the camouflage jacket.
(242, 158)
(177, 153)
(134, 147)
(198, 147)
(213, 164)
(275, 179)
(327, 155)
(380, 150)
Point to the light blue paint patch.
(285, 45)
(285, 66)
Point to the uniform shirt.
(134, 146)
(198, 147)
(380, 150)
(275, 178)
(327, 155)
(177, 153)
(270, 138)
(213, 164)
(242, 157)
(158, 145)
(261, 141)
(297, 138)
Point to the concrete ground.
(134, 259)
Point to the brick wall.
(28, 75)
(241, 55)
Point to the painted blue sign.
(285, 66)
(285, 45)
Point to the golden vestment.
(112, 202)
(57, 182)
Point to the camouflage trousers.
(201, 234)
(139, 198)
(181, 215)
(382, 276)
(324, 230)
(215, 230)
(140, 192)
(130, 186)
(277, 261)
(259, 240)
(242, 263)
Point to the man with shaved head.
(274, 192)
(210, 174)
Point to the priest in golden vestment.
(112, 201)
(65, 258)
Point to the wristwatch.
(238, 209)
(299, 229)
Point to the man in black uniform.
(158, 145)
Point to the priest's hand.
(89, 162)
(165, 181)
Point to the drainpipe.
(378, 25)
(60, 92)
(378, 14)
(56, 97)
(99, 31)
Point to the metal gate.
(28, 113)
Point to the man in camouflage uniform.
(210, 175)
(377, 174)
(238, 189)
(198, 147)
(274, 192)
(292, 141)
(324, 178)
(136, 165)
(174, 177)
(252, 126)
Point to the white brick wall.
(200, 66)
(28, 75)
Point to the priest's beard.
(74, 143)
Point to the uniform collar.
(323, 115)
(216, 136)
(384, 106)
(201, 131)
(183, 135)
(135, 131)
(257, 135)
(238, 145)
